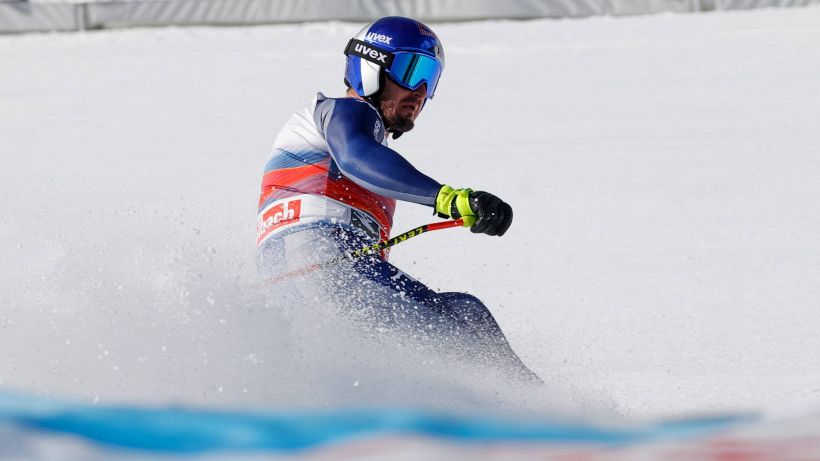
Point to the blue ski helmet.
(404, 49)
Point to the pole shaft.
(369, 250)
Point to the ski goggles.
(410, 70)
(407, 68)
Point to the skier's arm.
(353, 130)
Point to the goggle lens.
(410, 70)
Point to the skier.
(331, 185)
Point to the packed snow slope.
(663, 260)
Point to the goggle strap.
(369, 52)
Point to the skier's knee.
(466, 308)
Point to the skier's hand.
(482, 212)
(493, 215)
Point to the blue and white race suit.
(330, 186)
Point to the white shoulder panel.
(300, 133)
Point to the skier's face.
(401, 106)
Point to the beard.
(394, 122)
(398, 124)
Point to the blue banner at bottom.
(171, 431)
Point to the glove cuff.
(455, 203)
(443, 200)
(461, 204)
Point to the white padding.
(370, 77)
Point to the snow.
(663, 260)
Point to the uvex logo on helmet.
(381, 38)
(372, 52)
(369, 52)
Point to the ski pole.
(369, 250)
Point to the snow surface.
(663, 261)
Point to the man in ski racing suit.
(331, 185)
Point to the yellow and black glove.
(482, 212)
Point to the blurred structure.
(70, 15)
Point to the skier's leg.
(352, 287)
(383, 293)
(455, 314)
(479, 324)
